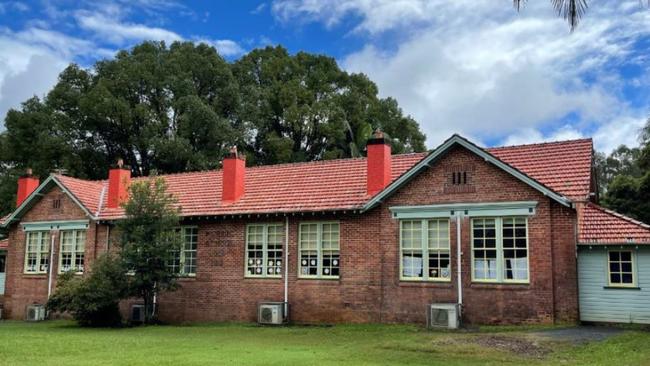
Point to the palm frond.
(571, 10)
(518, 4)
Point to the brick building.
(373, 239)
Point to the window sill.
(499, 286)
(426, 284)
(316, 280)
(634, 288)
(35, 275)
(261, 278)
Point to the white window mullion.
(498, 225)
(424, 234)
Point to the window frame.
(182, 252)
(319, 250)
(40, 253)
(498, 226)
(633, 271)
(265, 250)
(73, 259)
(424, 233)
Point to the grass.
(63, 343)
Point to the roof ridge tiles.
(538, 144)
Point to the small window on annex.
(621, 268)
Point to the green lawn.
(63, 343)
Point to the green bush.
(93, 300)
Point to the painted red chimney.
(234, 172)
(26, 185)
(378, 162)
(119, 179)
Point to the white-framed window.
(37, 252)
(500, 250)
(620, 268)
(425, 250)
(183, 261)
(319, 250)
(264, 244)
(72, 251)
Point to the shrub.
(92, 300)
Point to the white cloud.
(116, 32)
(225, 47)
(478, 68)
(623, 130)
(31, 68)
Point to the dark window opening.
(56, 204)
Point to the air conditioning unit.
(35, 313)
(443, 316)
(137, 313)
(271, 313)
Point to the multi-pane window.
(183, 261)
(425, 250)
(264, 243)
(484, 243)
(621, 268)
(320, 250)
(37, 252)
(500, 249)
(73, 246)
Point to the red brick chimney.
(27, 184)
(119, 179)
(234, 173)
(379, 162)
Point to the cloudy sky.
(475, 67)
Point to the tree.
(92, 300)
(571, 10)
(181, 107)
(148, 241)
(304, 107)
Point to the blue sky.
(475, 67)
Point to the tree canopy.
(180, 107)
(624, 178)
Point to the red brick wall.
(23, 289)
(369, 288)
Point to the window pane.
(438, 234)
(412, 235)
(412, 264)
(439, 265)
(620, 268)
(255, 250)
(309, 236)
(308, 263)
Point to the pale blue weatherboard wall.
(600, 304)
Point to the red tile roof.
(563, 166)
(598, 225)
(314, 186)
(88, 192)
(338, 184)
(4, 243)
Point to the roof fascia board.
(38, 192)
(444, 147)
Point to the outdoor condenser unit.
(35, 313)
(443, 316)
(270, 313)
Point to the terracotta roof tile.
(314, 186)
(602, 226)
(563, 166)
